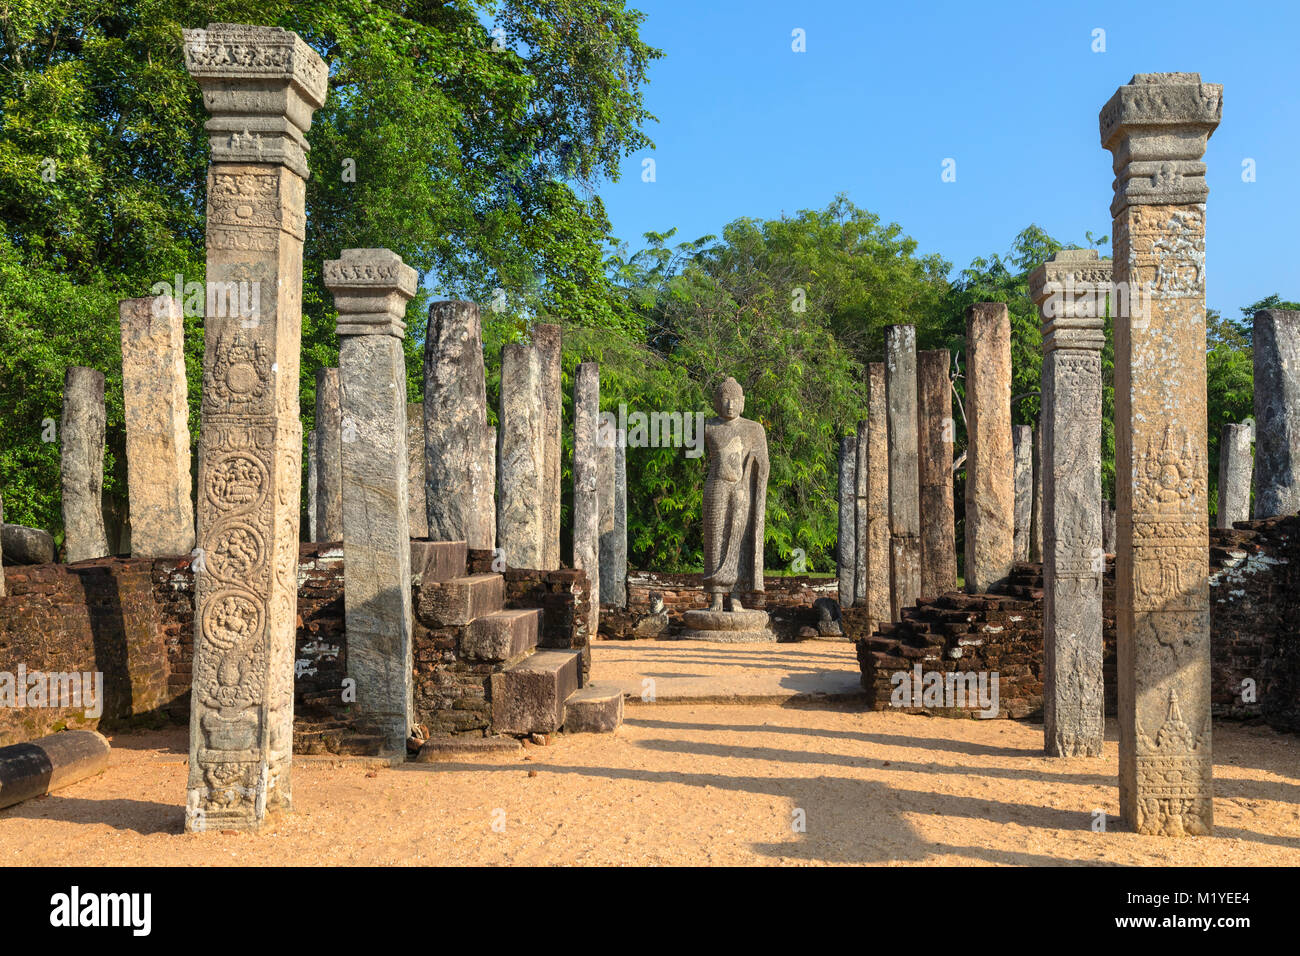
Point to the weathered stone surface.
(904, 469)
(938, 514)
(2, 563)
(1022, 455)
(528, 697)
(371, 288)
(727, 627)
(1073, 562)
(613, 542)
(586, 500)
(547, 341)
(417, 512)
(458, 477)
(329, 456)
(458, 601)
(261, 86)
(157, 414)
(485, 487)
(1108, 527)
(501, 635)
(84, 421)
(596, 709)
(42, 766)
(1276, 342)
(846, 548)
(1157, 127)
(861, 517)
(1235, 468)
(521, 459)
(735, 498)
(313, 482)
(437, 561)
(23, 545)
(1036, 517)
(877, 598)
(990, 489)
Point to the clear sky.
(1011, 91)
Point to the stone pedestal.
(417, 512)
(904, 469)
(586, 502)
(546, 339)
(371, 288)
(877, 541)
(82, 434)
(727, 627)
(1157, 127)
(458, 473)
(990, 486)
(1235, 468)
(1022, 454)
(329, 456)
(938, 517)
(261, 86)
(157, 412)
(846, 547)
(521, 459)
(1073, 564)
(1276, 342)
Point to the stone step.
(457, 746)
(437, 560)
(528, 696)
(595, 709)
(458, 601)
(501, 635)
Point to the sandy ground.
(687, 784)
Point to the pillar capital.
(1070, 290)
(1157, 127)
(371, 288)
(261, 86)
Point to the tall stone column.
(1235, 468)
(371, 288)
(613, 542)
(329, 456)
(1157, 127)
(1276, 343)
(1022, 455)
(546, 339)
(157, 412)
(938, 515)
(2, 562)
(1036, 515)
(457, 471)
(586, 502)
(904, 469)
(861, 516)
(521, 461)
(1073, 337)
(485, 489)
(877, 496)
(1107, 527)
(313, 482)
(417, 513)
(261, 86)
(990, 487)
(84, 422)
(846, 543)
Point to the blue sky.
(1010, 91)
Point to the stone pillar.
(990, 488)
(1022, 455)
(938, 516)
(485, 488)
(1235, 468)
(1277, 412)
(261, 85)
(1036, 515)
(861, 516)
(877, 541)
(157, 413)
(417, 514)
(456, 468)
(1157, 127)
(371, 288)
(313, 481)
(1073, 336)
(586, 502)
(904, 469)
(84, 421)
(329, 456)
(2, 562)
(546, 339)
(1107, 527)
(613, 542)
(846, 548)
(521, 459)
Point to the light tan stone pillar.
(990, 480)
